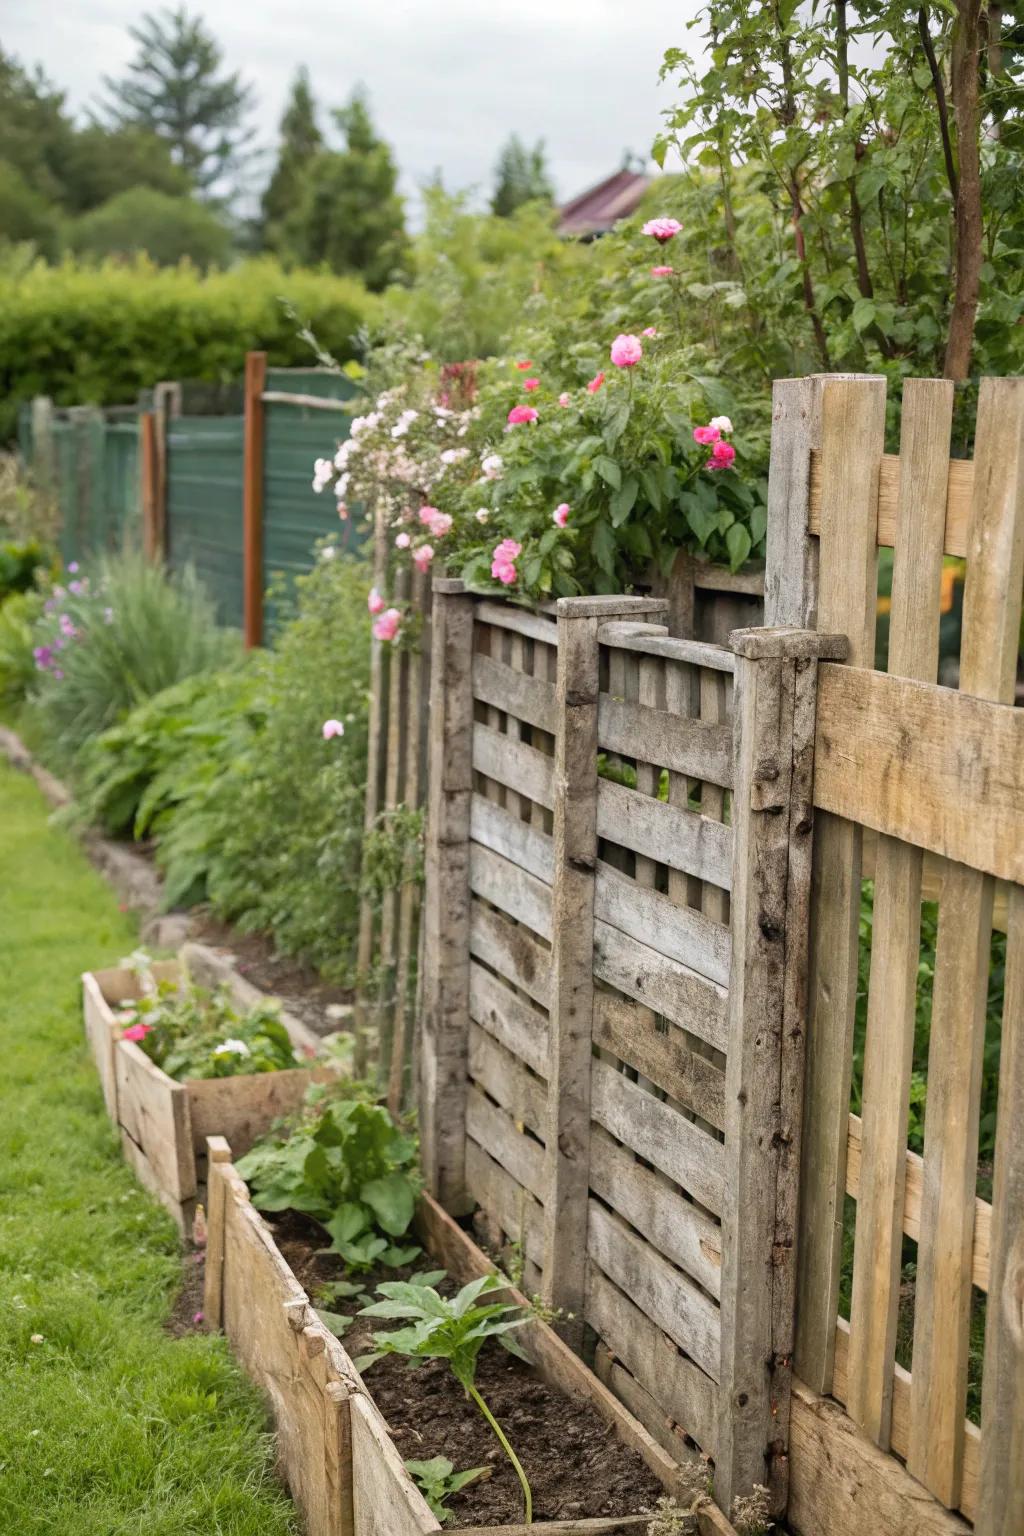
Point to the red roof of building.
(596, 210)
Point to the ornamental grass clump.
(453, 1329)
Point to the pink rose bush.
(626, 351)
(662, 230)
(522, 414)
(387, 624)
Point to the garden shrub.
(18, 618)
(19, 562)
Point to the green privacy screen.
(95, 476)
(204, 505)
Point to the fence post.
(773, 746)
(252, 499)
(42, 443)
(444, 1046)
(166, 406)
(148, 478)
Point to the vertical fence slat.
(252, 498)
(394, 759)
(445, 992)
(791, 554)
(991, 623)
(852, 440)
(896, 933)
(1001, 1485)
(371, 805)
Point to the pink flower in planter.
(386, 627)
(705, 435)
(531, 384)
(524, 365)
(661, 230)
(723, 456)
(595, 383)
(136, 1032)
(331, 728)
(662, 271)
(560, 516)
(564, 398)
(626, 351)
(375, 602)
(422, 557)
(520, 414)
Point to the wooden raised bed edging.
(164, 1124)
(335, 1451)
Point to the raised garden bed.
(343, 1440)
(165, 1124)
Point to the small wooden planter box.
(164, 1124)
(335, 1450)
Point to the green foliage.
(349, 215)
(25, 215)
(101, 334)
(191, 1032)
(168, 229)
(176, 88)
(453, 1329)
(19, 615)
(437, 1480)
(301, 139)
(349, 1167)
(392, 851)
(101, 163)
(127, 632)
(521, 176)
(19, 562)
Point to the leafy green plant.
(190, 1032)
(437, 1480)
(18, 618)
(349, 1167)
(453, 1329)
(19, 563)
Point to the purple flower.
(43, 657)
(73, 567)
(76, 588)
(67, 627)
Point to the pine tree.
(521, 176)
(301, 141)
(176, 88)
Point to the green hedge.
(98, 334)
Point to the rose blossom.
(564, 398)
(136, 1032)
(503, 564)
(374, 602)
(332, 728)
(482, 514)
(323, 474)
(521, 413)
(662, 271)
(595, 383)
(722, 423)
(386, 626)
(723, 456)
(560, 516)
(526, 363)
(626, 351)
(706, 435)
(402, 541)
(661, 229)
(422, 557)
(492, 466)
(531, 384)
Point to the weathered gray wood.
(683, 839)
(511, 950)
(678, 993)
(505, 1201)
(506, 1080)
(791, 568)
(607, 608)
(519, 894)
(681, 933)
(494, 1130)
(519, 620)
(648, 1202)
(682, 746)
(385, 1500)
(528, 698)
(513, 763)
(1001, 1491)
(445, 989)
(571, 1004)
(654, 640)
(521, 1028)
(786, 640)
(154, 1114)
(503, 833)
(666, 1056)
(662, 1136)
(217, 1152)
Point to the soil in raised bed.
(576, 1466)
(300, 989)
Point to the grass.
(109, 1426)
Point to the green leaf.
(609, 471)
(334, 1321)
(863, 314)
(602, 544)
(392, 1200)
(623, 500)
(737, 542)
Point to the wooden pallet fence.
(936, 774)
(335, 1451)
(164, 1124)
(611, 1053)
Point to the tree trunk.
(964, 88)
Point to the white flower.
(234, 1047)
(341, 485)
(482, 514)
(722, 423)
(492, 465)
(454, 455)
(328, 552)
(323, 474)
(344, 453)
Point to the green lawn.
(108, 1426)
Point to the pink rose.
(595, 383)
(649, 331)
(521, 413)
(343, 511)
(560, 516)
(526, 363)
(662, 271)
(427, 514)
(706, 435)
(375, 603)
(402, 541)
(386, 626)
(626, 351)
(331, 728)
(440, 523)
(531, 384)
(422, 557)
(723, 456)
(508, 549)
(136, 1032)
(503, 571)
(661, 229)
(564, 398)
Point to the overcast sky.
(448, 79)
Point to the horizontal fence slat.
(528, 698)
(515, 840)
(521, 895)
(514, 764)
(660, 1134)
(682, 839)
(504, 1077)
(688, 1396)
(924, 763)
(912, 1203)
(495, 1131)
(517, 1024)
(693, 747)
(518, 620)
(505, 1201)
(628, 1030)
(681, 933)
(675, 1227)
(654, 640)
(673, 990)
(671, 1301)
(959, 495)
(510, 950)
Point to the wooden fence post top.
(786, 641)
(218, 1149)
(449, 586)
(604, 607)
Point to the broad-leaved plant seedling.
(437, 1480)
